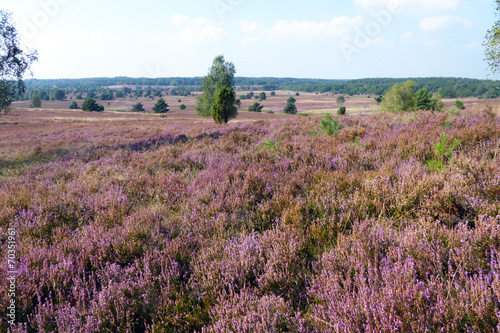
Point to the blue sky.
(343, 39)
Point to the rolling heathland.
(131, 223)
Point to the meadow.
(132, 222)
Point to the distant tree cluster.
(445, 87)
(402, 97)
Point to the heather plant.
(175, 226)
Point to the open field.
(132, 222)
(310, 103)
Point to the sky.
(327, 39)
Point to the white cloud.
(80, 35)
(197, 30)
(104, 36)
(432, 23)
(474, 45)
(425, 4)
(312, 29)
(298, 30)
(405, 38)
(180, 19)
(250, 27)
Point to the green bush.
(442, 154)
(330, 126)
(90, 104)
(256, 107)
(341, 111)
(137, 107)
(161, 106)
(459, 104)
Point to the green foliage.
(459, 104)
(57, 94)
(340, 100)
(138, 92)
(137, 107)
(356, 142)
(262, 96)
(14, 64)
(182, 107)
(271, 145)
(90, 104)
(256, 107)
(341, 111)
(442, 152)
(492, 44)
(330, 126)
(223, 109)
(455, 111)
(73, 106)
(423, 99)
(290, 107)
(273, 93)
(107, 95)
(161, 106)
(400, 98)
(220, 75)
(297, 94)
(36, 102)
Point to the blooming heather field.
(134, 223)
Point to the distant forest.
(106, 88)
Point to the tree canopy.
(492, 44)
(223, 109)
(91, 105)
(256, 107)
(161, 106)
(14, 62)
(402, 97)
(290, 107)
(36, 101)
(220, 75)
(137, 107)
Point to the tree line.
(445, 87)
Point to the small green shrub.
(442, 153)
(330, 126)
(459, 104)
(271, 145)
(341, 111)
